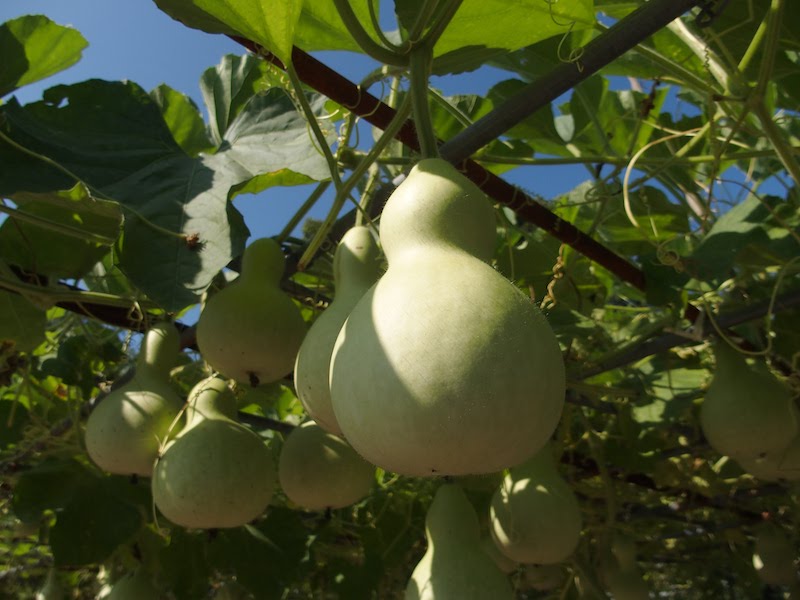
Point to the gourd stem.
(303, 210)
(423, 19)
(363, 39)
(311, 119)
(344, 191)
(420, 65)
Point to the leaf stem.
(62, 228)
(364, 40)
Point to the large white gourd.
(355, 270)
(125, 430)
(747, 413)
(251, 330)
(455, 566)
(318, 470)
(216, 472)
(444, 367)
(534, 515)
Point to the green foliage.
(117, 212)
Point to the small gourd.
(355, 270)
(622, 577)
(251, 330)
(318, 470)
(454, 564)
(126, 428)
(52, 588)
(774, 556)
(134, 586)
(534, 515)
(444, 367)
(216, 472)
(747, 412)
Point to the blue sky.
(137, 42)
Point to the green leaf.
(228, 87)
(92, 525)
(733, 231)
(270, 23)
(42, 248)
(184, 565)
(21, 323)
(49, 485)
(113, 137)
(501, 24)
(34, 47)
(269, 560)
(183, 119)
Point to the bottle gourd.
(251, 331)
(355, 270)
(534, 515)
(318, 470)
(125, 429)
(774, 556)
(134, 586)
(746, 413)
(444, 367)
(216, 472)
(455, 566)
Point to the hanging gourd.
(318, 470)
(781, 466)
(444, 367)
(355, 270)
(534, 515)
(746, 413)
(126, 428)
(454, 564)
(620, 571)
(251, 330)
(216, 472)
(774, 556)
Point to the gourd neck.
(210, 399)
(263, 262)
(728, 360)
(355, 264)
(451, 518)
(159, 351)
(541, 465)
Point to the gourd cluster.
(438, 367)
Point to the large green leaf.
(513, 25)
(113, 136)
(41, 247)
(270, 23)
(94, 522)
(479, 26)
(34, 47)
(21, 323)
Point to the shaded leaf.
(43, 249)
(92, 524)
(113, 136)
(49, 485)
(22, 324)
